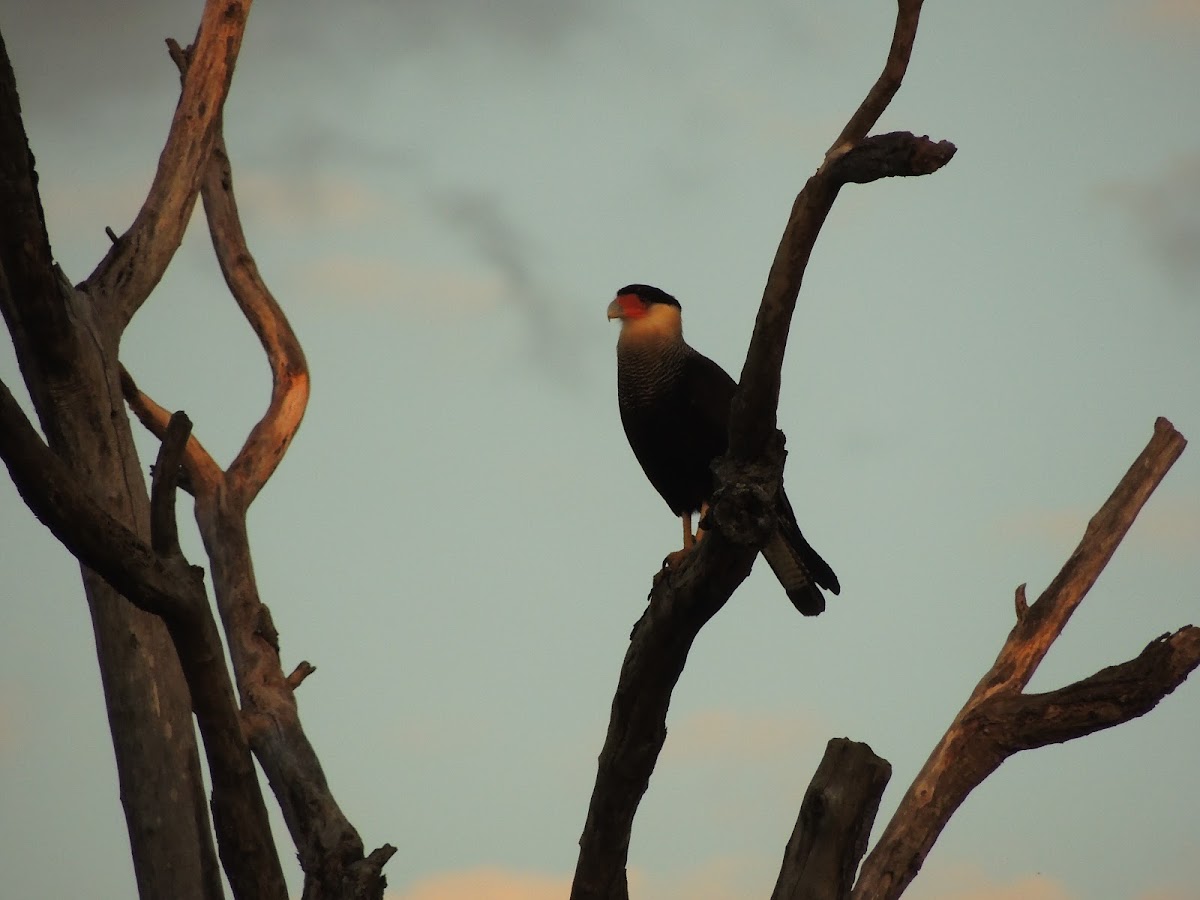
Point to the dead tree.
(157, 635)
(821, 859)
(159, 645)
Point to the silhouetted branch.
(853, 158)
(904, 34)
(680, 604)
(202, 470)
(160, 582)
(54, 494)
(330, 849)
(164, 529)
(834, 824)
(748, 478)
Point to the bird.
(674, 405)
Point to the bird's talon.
(674, 559)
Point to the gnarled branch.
(158, 580)
(330, 849)
(834, 824)
(134, 264)
(753, 413)
(272, 435)
(999, 720)
(683, 602)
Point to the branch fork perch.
(999, 719)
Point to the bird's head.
(646, 312)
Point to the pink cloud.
(969, 882)
(722, 878)
(295, 201)
(1169, 527)
(721, 735)
(486, 884)
(343, 279)
(1173, 12)
(1160, 19)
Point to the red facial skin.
(632, 306)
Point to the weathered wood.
(830, 837)
(67, 342)
(754, 407)
(683, 602)
(999, 720)
(136, 261)
(67, 352)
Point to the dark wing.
(677, 434)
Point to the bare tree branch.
(681, 603)
(999, 720)
(1032, 636)
(330, 849)
(136, 262)
(164, 529)
(749, 478)
(303, 669)
(834, 824)
(908, 14)
(271, 437)
(54, 494)
(161, 583)
(67, 353)
(1112, 696)
(754, 407)
(202, 469)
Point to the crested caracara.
(675, 408)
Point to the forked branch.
(900, 154)
(135, 263)
(158, 579)
(330, 849)
(271, 437)
(749, 478)
(999, 719)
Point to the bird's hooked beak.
(627, 306)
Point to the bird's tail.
(798, 566)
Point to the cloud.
(721, 878)
(1165, 209)
(1159, 19)
(1170, 894)
(295, 201)
(1172, 12)
(480, 220)
(970, 882)
(1170, 527)
(726, 735)
(434, 293)
(485, 884)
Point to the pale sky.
(444, 196)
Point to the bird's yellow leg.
(675, 557)
(699, 522)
